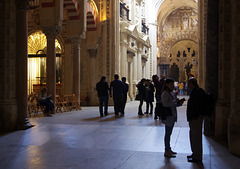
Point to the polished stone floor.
(83, 140)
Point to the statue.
(188, 68)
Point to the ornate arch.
(72, 7)
(92, 13)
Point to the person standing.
(170, 102)
(142, 94)
(118, 88)
(149, 96)
(125, 92)
(195, 107)
(181, 86)
(158, 85)
(102, 89)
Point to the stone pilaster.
(139, 63)
(21, 63)
(135, 73)
(224, 71)
(93, 96)
(234, 118)
(8, 103)
(51, 33)
(211, 59)
(123, 59)
(76, 66)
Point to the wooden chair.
(75, 103)
(32, 105)
(60, 104)
(68, 100)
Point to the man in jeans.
(102, 89)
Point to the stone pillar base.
(8, 117)
(234, 137)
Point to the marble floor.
(83, 140)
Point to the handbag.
(138, 97)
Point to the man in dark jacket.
(118, 89)
(195, 110)
(102, 89)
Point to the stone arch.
(92, 13)
(73, 9)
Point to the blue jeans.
(167, 137)
(103, 99)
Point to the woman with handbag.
(170, 103)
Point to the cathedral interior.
(67, 45)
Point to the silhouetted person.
(125, 93)
(149, 98)
(102, 89)
(118, 89)
(195, 107)
(142, 95)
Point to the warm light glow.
(38, 41)
(37, 44)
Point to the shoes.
(190, 156)
(141, 114)
(151, 113)
(173, 152)
(49, 115)
(146, 113)
(169, 154)
(155, 118)
(106, 114)
(192, 160)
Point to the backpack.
(209, 105)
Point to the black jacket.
(195, 105)
(102, 88)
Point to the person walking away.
(142, 94)
(45, 100)
(149, 96)
(102, 89)
(118, 88)
(125, 93)
(195, 107)
(158, 85)
(170, 101)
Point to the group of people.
(166, 107)
(118, 90)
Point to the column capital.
(51, 31)
(92, 52)
(75, 41)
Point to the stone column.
(135, 74)
(139, 64)
(130, 75)
(76, 67)
(93, 54)
(22, 63)
(234, 118)
(123, 59)
(8, 103)
(51, 33)
(211, 59)
(224, 91)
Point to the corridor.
(83, 140)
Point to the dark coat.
(195, 105)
